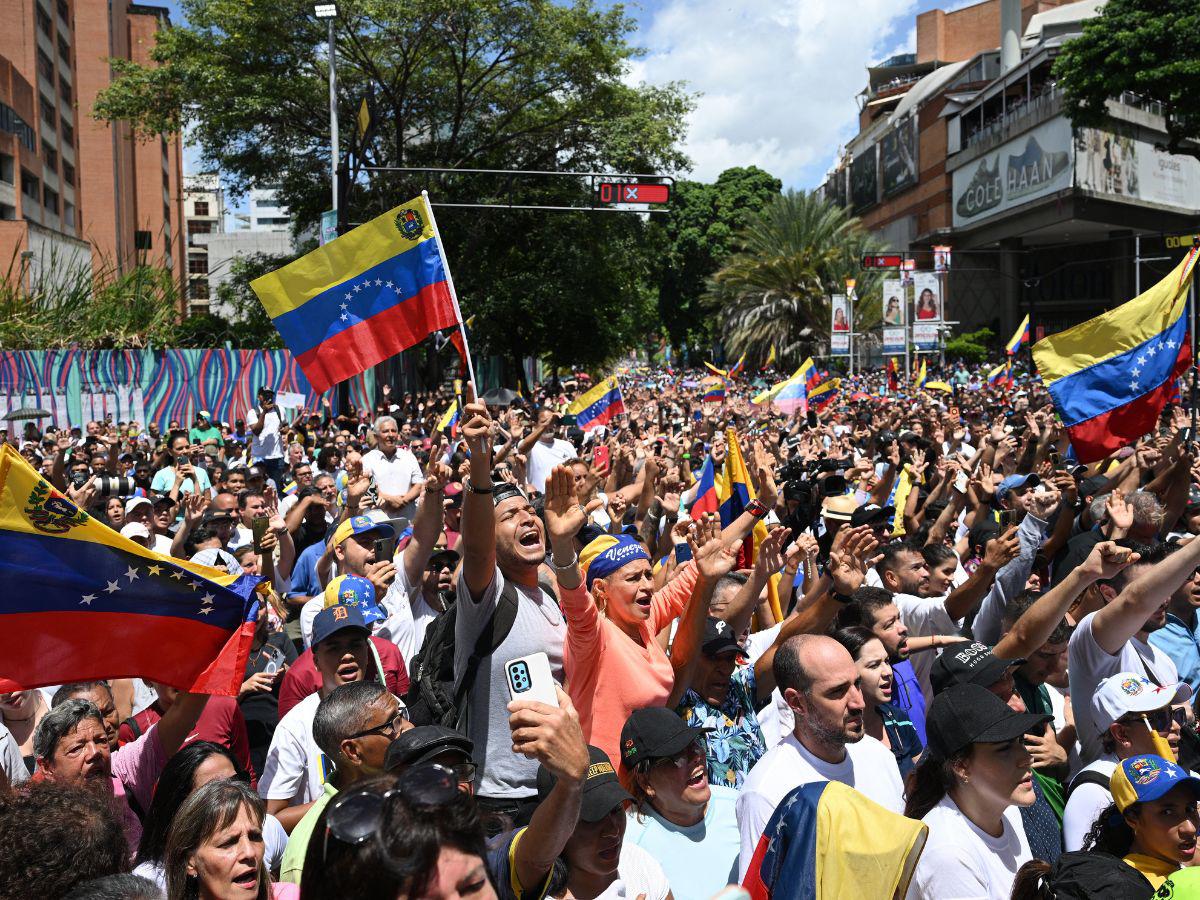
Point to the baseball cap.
(1143, 778)
(966, 714)
(204, 414)
(719, 638)
(656, 733)
(134, 502)
(872, 514)
(840, 508)
(445, 557)
(361, 525)
(1092, 485)
(506, 491)
(423, 744)
(1127, 692)
(1012, 482)
(972, 663)
(354, 591)
(135, 530)
(338, 617)
(601, 789)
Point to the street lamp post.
(850, 283)
(328, 12)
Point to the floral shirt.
(736, 742)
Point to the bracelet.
(842, 598)
(554, 563)
(476, 489)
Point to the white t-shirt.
(924, 616)
(293, 770)
(396, 475)
(869, 768)
(11, 760)
(1086, 802)
(267, 444)
(275, 840)
(1088, 664)
(638, 876)
(544, 457)
(962, 862)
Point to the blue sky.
(778, 80)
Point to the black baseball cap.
(601, 789)
(445, 557)
(506, 490)
(872, 514)
(338, 617)
(966, 714)
(656, 733)
(972, 663)
(719, 638)
(423, 744)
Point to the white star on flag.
(1171, 344)
(357, 288)
(207, 599)
(349, 297)
(345, 306)
(178, 575)
(1141, 360)
(345, 316)
(205, 612)
(87, 599)
(389, 284)
(131, 573)
(1133, 384)
(378, 282)
(154, 570)
(1150, 351)
(113, 587)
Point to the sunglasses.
(354, 817)
(388, 729)
(697, 749)
(1161, 719)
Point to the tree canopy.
(1148, 47)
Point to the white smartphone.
(529, 678)
(960, 482)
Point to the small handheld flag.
(1020, 338)
(770, 360)
(599, 405)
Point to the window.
(68, 173)
(63, 10)
(143, 240)
(194, 228)
(198, 289)
(201, 208)
(7, 213)
(273, 220)
(64, 50)
(43, 21)
(7, 169)
(64, 90)
(68, 135)
(197, 264)
(47, 110)
(50, 200)
(14, 124)
(44, 66)
(30, 186)
(69, 214)
(50, 155)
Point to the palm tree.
(794, 254)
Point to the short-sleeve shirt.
(638, 873)
(295, 769)
(396, 475)
(736, 742)
(164, 480)
(698, 859)
(267, 444)
(924, 616)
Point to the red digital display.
(618, 192)
(883, 261)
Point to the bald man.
(820, 684)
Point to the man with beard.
(502, 542)
(906, 576)
(820, 683)
(1115, 637)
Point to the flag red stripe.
(373, 340)
(1096, 438)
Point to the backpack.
(433, 697)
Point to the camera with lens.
(79, 479)
(114, 486)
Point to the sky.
(777, 81)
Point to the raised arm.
(478, 539)
(966, 596)
(1124, 616)
(427, 523)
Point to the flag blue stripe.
(1112, 383)
(596, 409)
(323, 317)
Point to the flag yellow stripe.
(583, 402)
(350, 255)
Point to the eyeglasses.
(464, 772)
(1161, 719)
(388, 729)
(696, 749)
(354, 817)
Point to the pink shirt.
(609, 674)
(135, 770)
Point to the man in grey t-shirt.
(502, 541)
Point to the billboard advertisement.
(841, 315)
(925, 337)
(898, 157)
(927, 298)
(1123, 168)
(863, 172)
(893, 341)
(839, 345)
(893, 302)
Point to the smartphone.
(259, 528)
(568, 419)
(385, 549)
(1006, 518)
(529, 678)
(600, 458)
(960, 483)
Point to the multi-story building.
(265, 212)
(204, 214)
(965, 143)
(264, 229)
(78, 187)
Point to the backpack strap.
(1087, 777)
(132, 722)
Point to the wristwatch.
(476, 489)
(757, 508)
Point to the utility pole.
(328, 12)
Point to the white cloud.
(778, 80)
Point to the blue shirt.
(902, 735)
(1182, 644)
(304, 573)
(908, 696)
(698, 860)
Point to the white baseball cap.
(134, 502)
(1127, 692)
(135, 530)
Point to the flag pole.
(462, 328)
(1192, 339)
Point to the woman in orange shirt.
(613, 663)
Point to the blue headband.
(607, 554)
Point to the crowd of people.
(913, 648)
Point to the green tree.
(972, 346)
(701, 233)
(249, 322)
(481, 84)
(794, 254)
(1149, 47)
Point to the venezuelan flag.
(80, 602)
(824, 394)
(706, 491)
(719, 372)
(1110, 377)
(996, 374)
(458, 338)
(735, 491)
(599, 405)
(364, 297)
(1020, 338)
(449, 422)
(803, 374)
(922, 373)
(737, 367)
(770, 360)
(714, 394)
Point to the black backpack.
(433, 698)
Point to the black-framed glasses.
(1160, 720)
(354, 817)
(388, 729)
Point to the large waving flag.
(448, 424)
(805, 374)
(706, 491)
(824, 393)
(1111, 376)
(80, 602)
(813, 848)
(599, 405)
(1020, 338)
(363, 297)
(737, 367)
